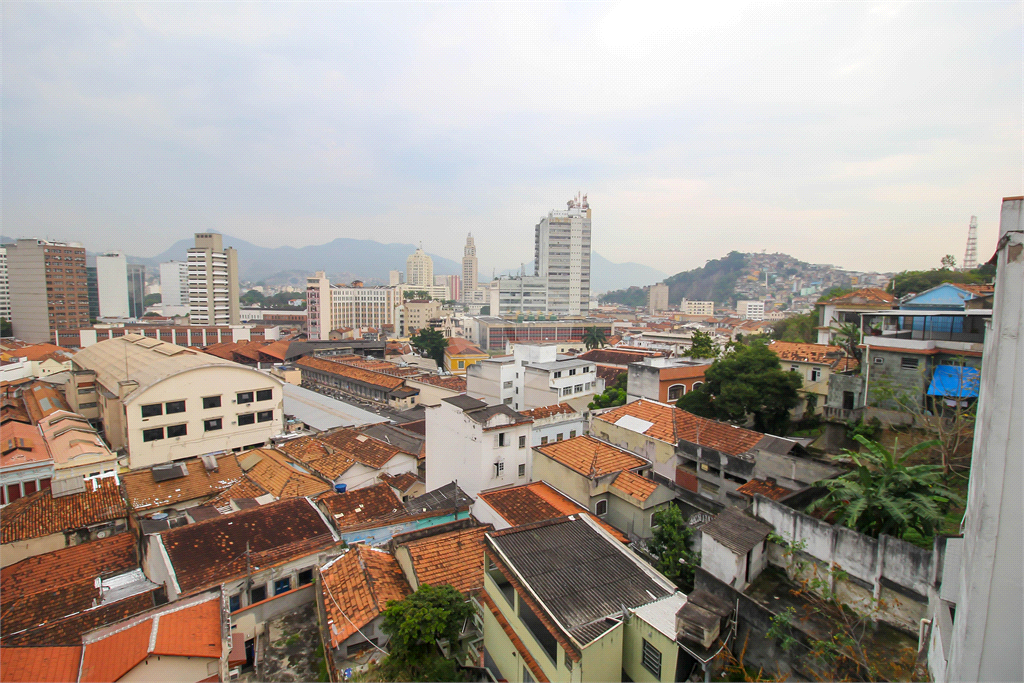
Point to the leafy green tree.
(798, 329)
(151, 299)
(485, 310)
(885, 495)
(921, 280)
(634, 297)
(594, 338)
(252, 298)
(746, 380)
(430, 343)
(671, 545)
(848, 338)
(614, 395)
(833, 293)
(703, 346)
(6, 329)
(416, 623)
(415, 294)
(948, 262)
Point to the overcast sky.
(859, 134)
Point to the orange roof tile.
(40, 514)
(377, 379)
(867, 296)
(443, 381)
(361, 505)
(590, 457)
(548, 411)
(41, 352)
(113, 657)
(40, 664)
(42, 399)
(768, 489)
(277, 349)
(403, 482)
(621, 357)
(191, 632)
(823, 354)
(538, 502)
(634, 485)
(276, 474)
(144, 493)
(22, 444)
(457, 346)
(359, 447)
(357, 588)
(455, 558)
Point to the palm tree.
(883, 495)
(594, 338)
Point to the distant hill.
(715, 281)
(606, 275)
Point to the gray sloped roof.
(736, 531)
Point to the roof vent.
(174, 470)
(210, 462)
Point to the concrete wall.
(644, 382)
(16, 552)
(165, 668)
(250, 620)
(661, 454)
(602, 658)
(566, 480)
(546, 427)
(636, 631)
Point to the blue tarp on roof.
(955, 381)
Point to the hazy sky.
(853, 133)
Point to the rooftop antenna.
(971, 254)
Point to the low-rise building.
(534, 375)
(460, 354)
(433, 388)
(750, 310)
(25, 463)
(451, 554)
(477, 445)
(815, 364)
(36, 360)
(344, 380)
(555, 422)
(848, 308)
(349, 459)
(664, 379)
(162, 402)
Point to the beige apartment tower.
(562, 255)
(470, 270)
(48, 287)
(419, 270)
(657, 298)
(212, 282)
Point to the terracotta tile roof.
(144, 493)
(823, 354)
(42, 399)
(13, 408)
(68, 631)
(517, 643)
(22, 444)
(402, 482)
(548, 411)
(174, 630)
(41, 352)
(617, 356)
(40, 664)
(278, 349)
(40, 514)
(455, 558)
(444, 381)
(359, 447)
(222, 350)
(537, 502)
(361, 505)
(590, 457)
(768, 489)
(457, 346)
(376, 379)
(867, 296)
(609, 374)
(242, 489)
(977, 290)
(320, 457)
(213, 551)
(359, 584)
(60, 568)
(276, 474)
(635, 486)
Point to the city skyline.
(829, 132)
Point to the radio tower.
(971, 254)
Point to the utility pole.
(248, 575)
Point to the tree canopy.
(703, 346)
(594, 338)
(613, 395)
(430, 614)
(746, 380)
(430, 343)
(921, 280)
(798, 328)
(671, 545)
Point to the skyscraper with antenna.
(971, 253)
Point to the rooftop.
(457, 346)
(213, 551)
(765, 487)
(40, 664)
(323, 412)
(822, 354)
(450, 382)
(614, 356)
(867, 296)
(357, 587)
(369, 377)
(455, 558)
(361, 505)
(22, 445)
(634, 485)
(40, 514)
(69, 630)
(402, 482)
(549, 411)
(410, 442)
(578, 574)
(147, 489)
(480, 412)
(590, 457)
(736, 531)
(42, 399)
(536, 502)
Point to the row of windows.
(558, 437)
(569, 391)
(259, 593)
(499, 468)
(210, 425)
(172, 407)
(503, 440)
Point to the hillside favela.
(572, 343)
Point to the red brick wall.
(686, 480)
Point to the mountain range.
(346, 259)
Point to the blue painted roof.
(946, 296)
(955, 381)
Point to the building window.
(305, 576)
(601, 508)
(235, 601)
(462, 364)
(246, 419)
(508, 401)
(558, 374)
(815, 374)
(676, 391)
(653, 523)
(578, 388)
(211, 402)
(558, 437)
(244, 397)
(282, 585)
(152, 410)
(522, 442)
(651, 659)
(543, 440)
(877, 360)
(177, 430)
(264, 394)
(572, 433)
(173, 407)
(153, 434)
(908, 363)
(265, 416)
(212, 425)
(522, 470)
(258, 594)
(502, 440)
(499, 467)
(572, 371)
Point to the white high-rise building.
(174, 283)
(5, 287)
(750, 310)
(112, 285)
(213, 282)
(470, 270)
(419, 269)
(329, 307)
(562, 255)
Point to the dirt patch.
(292, 648)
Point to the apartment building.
(329, 307)
(112, 285)
(415, 314)
(174, 283)
(534, 375)
(750, 310)
(212, 281)
(697, 307)
(136, 275)
(5, 287)
(470, 270)
(494, 333)
(48, 286)
(163, 402)
(562, 255)
(657, 297)
(452, 285)
(518, 295)
(419, 269)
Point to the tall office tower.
(212, 282)
(136, 290)
(419, 269)
(329, 307)
(562, 255)
(93, 287)
(5, 287)
(396, 277)
(48, 288)
(112, 285)
(174, 283)
(470, 269)
(452, 285)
